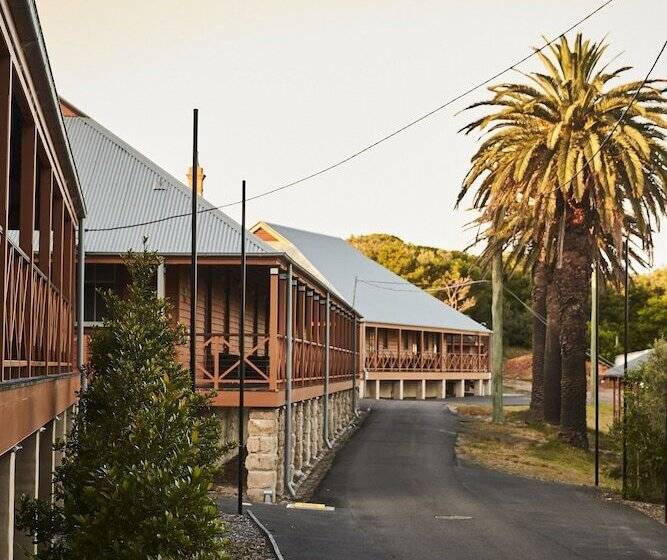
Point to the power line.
(377, 142)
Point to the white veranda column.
(7, 482)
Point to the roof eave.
(29, 32)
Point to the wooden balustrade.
(387, 360)
(219, 362)
(37, 326)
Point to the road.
(400, 493)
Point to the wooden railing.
(265, 360)
(387, 360)
(219, 360)
(37, 321)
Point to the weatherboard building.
(412, 345)
(123, 187)
(41, 210)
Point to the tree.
(144, 448)
(552, 359)
(648, 314)
(539, 305)
(645, 394)
(572, 163)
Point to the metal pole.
(595, 363)
(79, 303)
(193, 263)
(497, 337)
(355, 364)
(242, 351)
(625, 367)
(288, 384)
(327, 364)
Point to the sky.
(287, 88)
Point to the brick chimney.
(200, 179)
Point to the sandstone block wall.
(266, 441)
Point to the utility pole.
(193, 255)
(626, 321)
(595, 306)
(497, 337)
(242, 353)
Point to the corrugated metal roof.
(121, 186)
(381, 296)
(634, 362)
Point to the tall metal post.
(625, 365)
(193, 255)
(242, 352)
(327, 365)
(355, 367)
(288, 382)
(595, 364)
(497, 337)
(81, 266)
(356, 362)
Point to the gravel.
(244, 539)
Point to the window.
(99, 277)
(384, 339)
(15, 168)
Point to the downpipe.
(327, 340)
(81, 267)
(289, 484)
(355, 368)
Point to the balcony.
(388, 360)
(37, 321)
(265, 362)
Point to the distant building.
(615, 375)
(412, 344)
(123, 187)
(40, 212)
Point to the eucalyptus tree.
(572, 163)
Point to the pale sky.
(286, 88)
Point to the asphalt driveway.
(400, 493)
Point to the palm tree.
(539, 304)
(571, 163)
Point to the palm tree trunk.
(572, 280)
(539, 304)
(552, 365)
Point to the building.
(123, 187)
(615, 375)
(41, 209)
(412, 344)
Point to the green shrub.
(144, 449)
(644, 395)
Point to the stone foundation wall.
(266, 441)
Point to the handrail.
(390, 360)
(26, 258)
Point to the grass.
(532, 449)
(515, 351)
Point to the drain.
(453, 517)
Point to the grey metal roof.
(121, 186)
(381, 296)
(633, 363)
